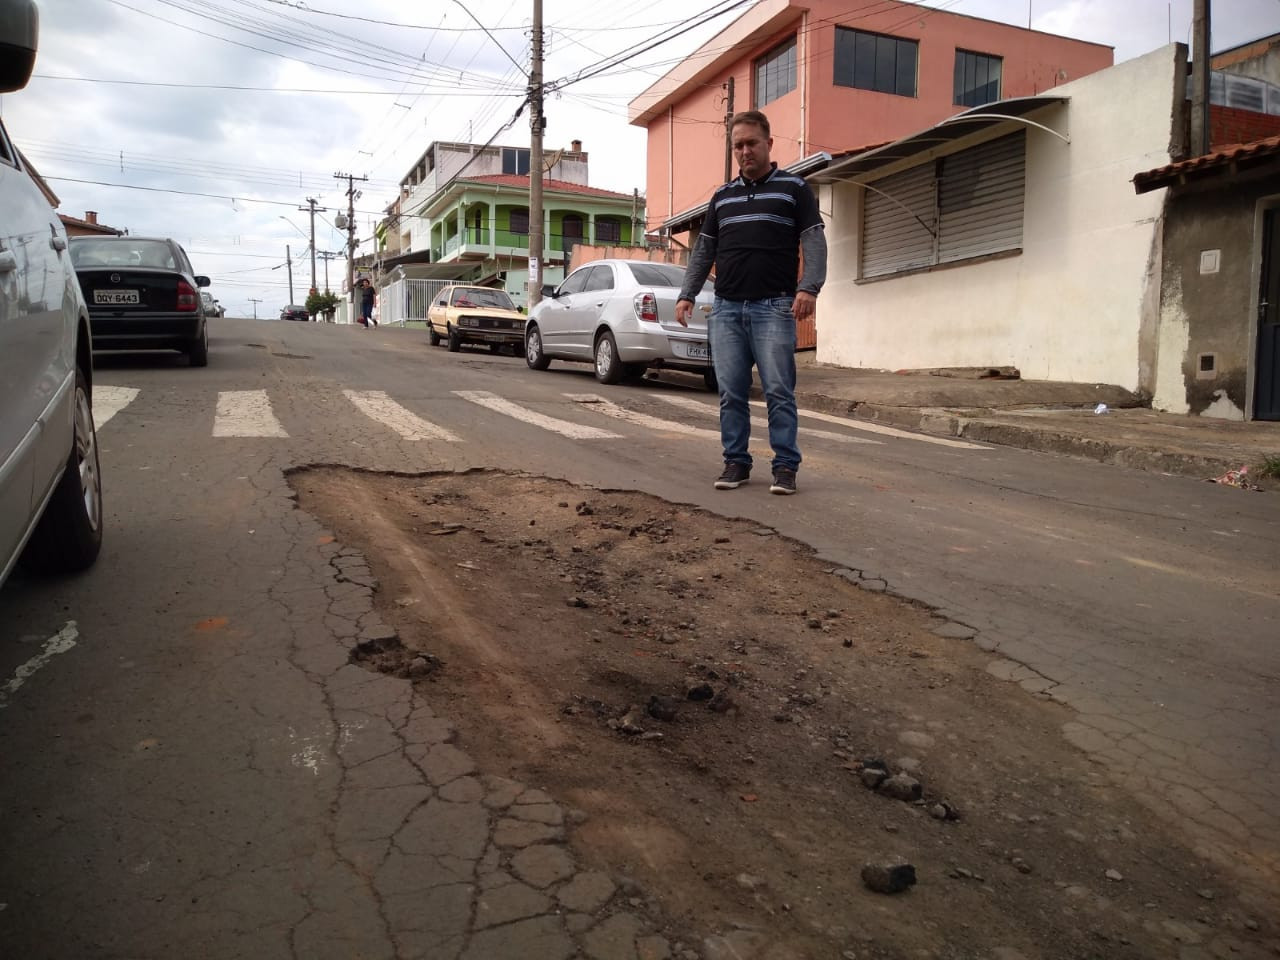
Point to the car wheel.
(455, 340)
(609, 368)
(709, 378)
(198, 352)
(69, 535)
(433, 338)
(533, 355)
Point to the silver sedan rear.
(620, 316)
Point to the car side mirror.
(19, 39)
(202, 281)
(549, 290)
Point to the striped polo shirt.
(756, 226)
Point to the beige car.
(465, 314)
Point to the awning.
(453, 270)
(686, 219)
(939, 135)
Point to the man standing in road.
(756, 227)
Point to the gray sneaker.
(784, 481)
(734, 476)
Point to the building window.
(977, 78)
(515, 160)
(873, 61)
(960, 207)
(775, 73)
(608, 230)
(520, 222)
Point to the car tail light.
(646, 307)
(187, 298)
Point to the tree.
(322, 303)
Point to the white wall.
(1070, 307)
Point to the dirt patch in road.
(712, 696)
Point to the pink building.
(832, 77)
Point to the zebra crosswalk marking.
(887, 431)
(245, 413)
(610, 409)
(575, 431)
(689, 403)
(108, 401)
(377, 406)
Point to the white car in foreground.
(50, 490)
(620, 316)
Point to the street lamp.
(294, 225)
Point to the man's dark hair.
(751, 116)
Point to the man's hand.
(804, 306)
(684, 310)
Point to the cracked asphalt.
(204, 771)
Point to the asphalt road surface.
(168, 765)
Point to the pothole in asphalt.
(746, 729)
(291, 356)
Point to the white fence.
(404, 300)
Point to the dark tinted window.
(608, 230)
(775, 73)
(575, 282)
(977, 78)
(874, 61)
(657, 274)
(601, 278)
(519, 221)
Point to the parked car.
(50, 489)
(620, 315)
(466, 314)
(212, 308)
(143, 294)
(294, 312)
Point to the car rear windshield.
(657, 274)
(121, 252)
(482, 297)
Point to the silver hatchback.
(620, 316)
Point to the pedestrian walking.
(366, 303)
(757, 226)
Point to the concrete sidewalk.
(1041, 415)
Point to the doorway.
(1266, 400)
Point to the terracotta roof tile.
(561, 186)
(1223, 156)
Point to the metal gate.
(404, 300)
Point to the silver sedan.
(620, 316)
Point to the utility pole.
(326, 256)
(728, 132)
(288, 263)
(537, 123)
(1200, 71)
(351, 237)
(255, 302)
(313, 209)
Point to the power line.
(446, 91)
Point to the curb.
(975, 426)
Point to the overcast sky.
(332, 90)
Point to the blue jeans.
(763, 333)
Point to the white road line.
(611, 409)
(376, 405)
(108, 401)
(887, 431)
(60, 642)
(574, 431)
(245, 413)
(689, 403)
